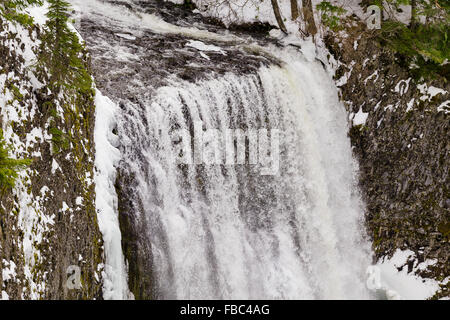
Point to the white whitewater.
(226, 231)
(229, 232)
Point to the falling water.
(227, 231)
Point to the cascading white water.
(226, 231)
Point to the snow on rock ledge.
(391, 276)
(107, 156)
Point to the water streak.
(226, 231)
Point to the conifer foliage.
(9, 167)
(61, 53)
(424, 43)
(10, 10)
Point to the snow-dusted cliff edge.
(49, 220)
(103, 197)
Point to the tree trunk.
(413, 23)
(276, 11)
(308, 15)
(294, 10)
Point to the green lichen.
(60, 141)
(9, 168)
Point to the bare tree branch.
(294, 10)
(308, 15)
(276, 11)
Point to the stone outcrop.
(402, 147)
(48, 222)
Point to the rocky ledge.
(400, 134)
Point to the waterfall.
(226, 227)
(227, 231)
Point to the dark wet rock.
(403, 150)
(135, 244)
(130, 69)
(74, 233)
(183, 16)
(154, 58)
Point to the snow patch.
(444, 107)
(205, 47)
(429, 92)
(115, 279)
(391, 276)
(402, 86)
(4, 295)
(410, 105)
(360, 117)
(126, 36)
(39, 13)
(79, 201)
(55, 166)
(9, 273)
(375, 74)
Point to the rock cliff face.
(149, 60)
(400, 133)
(48, 221)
